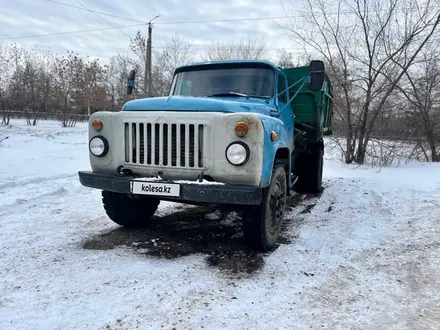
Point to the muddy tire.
(129, 212)
(262, 224)
(309, 169)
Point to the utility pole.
(148, 60)
(150, 32)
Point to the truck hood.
(189, 103)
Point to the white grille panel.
(163, 144)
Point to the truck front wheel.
(262, 224)
(129, 212)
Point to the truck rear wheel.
(262, 224)
(309, 169)
(129, 212)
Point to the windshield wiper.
(240, 94)
(259, 96)
(229, 94)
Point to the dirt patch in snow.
(215, 232)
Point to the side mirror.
(317, 75)
(130, 82)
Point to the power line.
(71, 32)
(91, 30)
(272, 17)
(178, 22)
(97, 12)
(229, 20)
(223, 20)
(164, 23)
(102, 19)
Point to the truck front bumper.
(189, 192)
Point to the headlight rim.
(106, 145)
(245, 146)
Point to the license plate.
(155, 188)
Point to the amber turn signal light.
(241, 129)
(97, 125)
(274, 136)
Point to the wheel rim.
(321, 167)
(277, 203)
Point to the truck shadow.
(206, 230)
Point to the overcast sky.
(29, 17)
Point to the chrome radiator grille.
(160, 144)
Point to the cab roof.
(233, 63)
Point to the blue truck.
(242, 133)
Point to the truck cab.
(227, 133)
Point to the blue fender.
(272, 124)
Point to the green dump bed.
(313, 110)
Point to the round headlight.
(237, 153)
(98, 146)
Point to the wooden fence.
(17, 114)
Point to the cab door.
(286, 112)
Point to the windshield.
(253, 82)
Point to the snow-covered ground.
(364, 255)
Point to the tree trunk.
(349, 152)
(361, 151)
(435, 157)
(88, 104)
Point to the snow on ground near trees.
(363, 255)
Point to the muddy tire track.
(209, 230)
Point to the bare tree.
(177, 52)
(421, 88)
(112, 78)
(46, 80)
(42, 83)
(92, 85)
(68, 75)
(368, 46)
(25, 88)
(250, 48)
(124, 65)
(286, 59)
(4, 81)
(138, 45)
